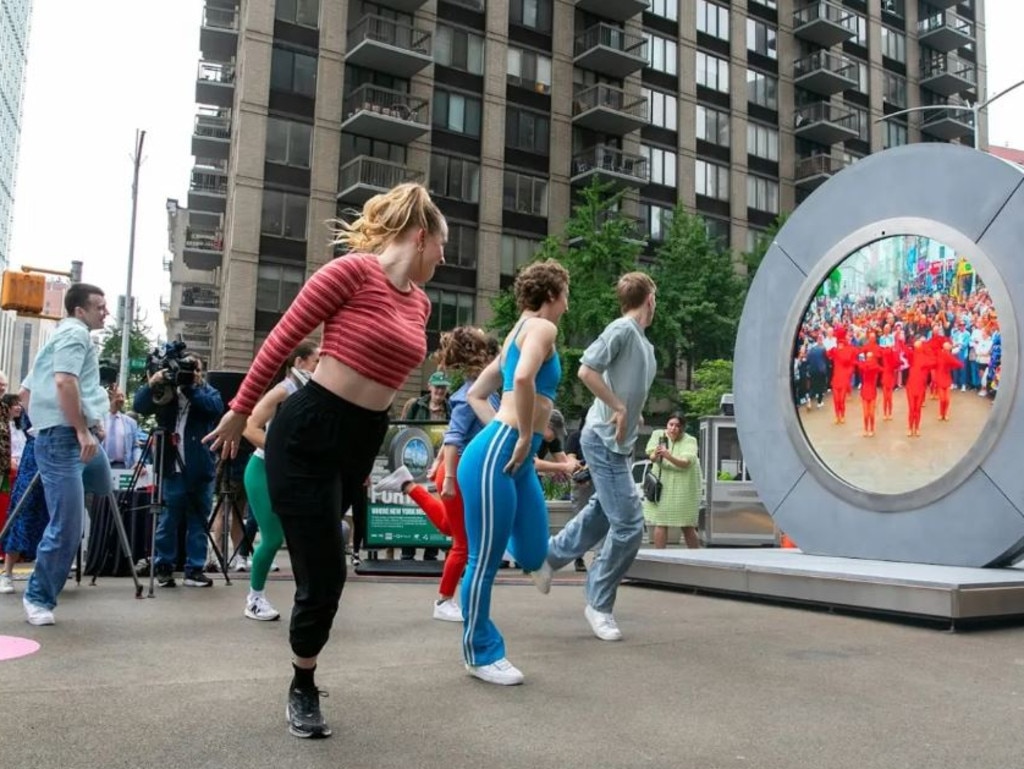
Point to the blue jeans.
(194, 500)
(615, 510)
(65, 480)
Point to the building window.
(293, 71)
(662, 54)
(863, 75)
(766, 3)
(712, 180)
(662, 110)
(718, 231)
(662, 164)
(525, 194)
(861, 122)
(288, 142)
(528, 69)
(306, 13)
(535, 14)
(895, 134)
(861, 25)
(449, 309)
(455, 178)
(712, 72)
(516, 251)
(459, 49)
(460, 251)
(666, 9)
(712, 20)
(894, 44)
(528, 131)
(712, 125)
(356, 146)
(284, 214)
(754, 237)
(655, 220)
(762, 89)
(457, 113)
(763, 194)
(895, 7)
(761, 39)
(277, 285)
(894, 89)
(762, 141)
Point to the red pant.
(449, 518)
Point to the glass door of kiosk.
(733, 513)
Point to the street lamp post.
(126, 326)
(975, 109)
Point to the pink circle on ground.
(12, 647)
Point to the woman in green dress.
(674, 454)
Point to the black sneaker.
(196, 578)
(303, 714)
(580, 565)
(165, 577)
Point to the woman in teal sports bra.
(501, 493)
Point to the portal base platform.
(960, 595)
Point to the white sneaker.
(274, 566)
(238, 563)
(447, 610)
(542, 577)
(258, 607)
(37, 615)
(6, 586)
(395, 480)
(502, 672)
(602, 624)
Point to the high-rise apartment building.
(14, 28)
(505, 107)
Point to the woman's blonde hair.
(387, 216)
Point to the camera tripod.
(111, 497)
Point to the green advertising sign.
(403, 525)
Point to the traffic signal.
(23, 292)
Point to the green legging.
(271, 534)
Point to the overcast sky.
(98, 70)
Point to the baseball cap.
(438, 379)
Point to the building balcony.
(215, 83)
(616, 10)
(218, 34)
(211, 136)
(610, 165)
(208, 190)
(165, 305)
(825, 24)
(945, 31)
(811, 172)
(635, 229)
(405, 6)
(948, 124)
(199, 303)
(609, 110)
(362, 178)
(382, 113)
(204, 248)
(826, 123)
(947, 75)
(825, 73)
(610, 50)
(388, 46)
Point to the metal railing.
(610, 97)
(945, 20)
(220, 18)
(204, 239)
(836, 63)
(826, 112)
(818, 165)
(613, 160)
(373, 172)
(825, 11)
(200, 296)
(388, 102)
(211, 181)
(933, 66)
(216, 72)
(610, 37)
(213, 126)
(390, 32)
(937, 116)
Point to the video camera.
(179, 370)
(108, 373)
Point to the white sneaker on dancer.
(6, 585)
(395, 480)
(501, 672)
(542, 577)
(447, 610)
(258, 607)
(602, 624)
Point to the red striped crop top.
(369, 325)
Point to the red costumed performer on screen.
(844, 358)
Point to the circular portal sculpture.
(916, 239)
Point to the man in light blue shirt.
(618, 368)
(67, 406)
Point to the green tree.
(752, 259)
(140, 344)
(711, 380)
(599, 245)
(700, 295)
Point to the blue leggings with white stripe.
(502, 512)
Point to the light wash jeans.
(616, 510)
(194, 500)
(65, 481)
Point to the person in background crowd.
(5, 451)
(323, 441)
(675, 453)
(582, 487)
(120, 431)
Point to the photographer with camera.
(186, 408)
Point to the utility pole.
(126, 328)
